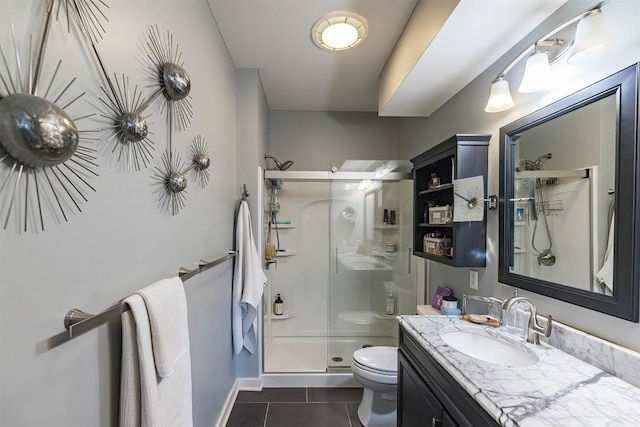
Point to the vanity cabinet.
(459, 244)
(428, 395)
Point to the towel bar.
(78, 322)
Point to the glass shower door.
(371, 278)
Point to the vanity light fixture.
(592, 35)
(339, 31)
(582, 35)
(537, 74)
(500, 97)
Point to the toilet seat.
(380, 359)
(377, 364)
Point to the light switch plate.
(473, 279)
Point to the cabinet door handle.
(435, 422)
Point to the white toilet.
(376, 368)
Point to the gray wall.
(465, 114)
(121, 241)
(253, 137)
(313, 139)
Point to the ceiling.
(418, 54)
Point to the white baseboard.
(228, 405)
(249, 384)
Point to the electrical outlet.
(473, 279)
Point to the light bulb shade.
(339, 31)
(500, 97)
(340, 35)
(537, 74)
(591, 35)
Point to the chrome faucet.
(534, 328)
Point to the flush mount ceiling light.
(582, 35)
(339, 31)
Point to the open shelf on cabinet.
(442, 187)
(461, 156)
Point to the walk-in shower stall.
(343, 267)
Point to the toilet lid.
(379, 358)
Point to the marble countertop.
(559, 390)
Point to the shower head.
(541, 159)
(279, 166)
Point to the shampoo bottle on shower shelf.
(391, 303)
(278, 306)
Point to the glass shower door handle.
(336, 260)
(409, 263)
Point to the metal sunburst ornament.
(172, 193)
(40, 142)
(128, 124)
(200, 161)
(163, 62)
(90, 14)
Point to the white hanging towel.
(248, 285)
(155, 387)
(605, 275)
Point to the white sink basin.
(487, 348)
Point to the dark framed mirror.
(570, 199)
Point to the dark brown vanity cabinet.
(428, 395)
(459, 244)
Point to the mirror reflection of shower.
(546, 256)
(273, 187)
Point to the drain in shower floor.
(337, 359)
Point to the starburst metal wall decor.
(90, 14)
(163, 62)
(40, 142)
(173, 183)
(127, 124)
(200, 161)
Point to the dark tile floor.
(297, 407)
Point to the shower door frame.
(328, 176)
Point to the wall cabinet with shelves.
(459, 244)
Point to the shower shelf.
(280, 226)
(386, 226)
(284, 316)
(580, 173)
(288, 252)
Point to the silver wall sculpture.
(173, 182)
(200, 161)
(165, 68)
(46, 165)
(128, 128)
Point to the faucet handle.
(547, 330)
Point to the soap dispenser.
(391, 303)
(278, 306)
